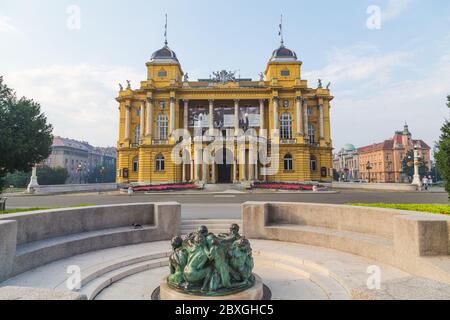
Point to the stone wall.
(373, 186)
(415, 242)
(68, 188)
(29, 240)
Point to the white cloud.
(361, 62)
(394, 9)
(6, 25)
(374, 97)
(78, 100)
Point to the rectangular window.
(162, 74)
(285, 73)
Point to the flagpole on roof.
(281, 30)
(165, 32)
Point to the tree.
(443, 152)
(26, 137)
(108, 175)
(18, 179)
(50, 176)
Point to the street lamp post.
(417, 163)
(79, 169)
(102, 172)
(369, 167)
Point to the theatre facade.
(224, 129)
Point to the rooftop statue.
(209, 265)
(223, 76)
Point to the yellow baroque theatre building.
(293, 119)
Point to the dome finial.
(165, 32)
(280, 33)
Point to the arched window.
(137, 133)
(286, 126)
(311, 133)
(160, 163)
(313, 162)
(136, 164)
(161, 127)
(288, 163)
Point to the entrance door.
(224, 166)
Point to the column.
(191, 177)
(261, 114)
(211, 115)
(256, 171)
(185, 114)
(142, 119)
(243, 163)
(236, 117)
(183, 168)
(275, 112)
(299, 116)
(172, 115)
(251, 170)
(235, 178)
(197, 155)
(321, 125)
(148, 127)
(213, 178)
(305, 113)
(127, 122)
(204, 177)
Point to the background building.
(70, 154)
(346, 163)
(280, 101)
(382, 162)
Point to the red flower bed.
(283, 186)
(165, 187)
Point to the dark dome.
(284, 53)
(164, 53)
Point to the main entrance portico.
(224, 163)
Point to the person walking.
(430, 181)
(425, 182)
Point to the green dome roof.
(349, 147)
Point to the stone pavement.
(292, 271)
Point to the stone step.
(211, 221)
(332, 288)
(38, 253)
(98, 270)
(94, 287)
(186, 231)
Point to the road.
(205, 205)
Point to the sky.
(388, 60)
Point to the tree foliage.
(26, 137)
(96, 176)
(47, 176)
(442, 154)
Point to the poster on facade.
(224, 117)
(249, 117)
(198, 117)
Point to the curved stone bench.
(415, 242)
(29, 240)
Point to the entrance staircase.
(225, 188)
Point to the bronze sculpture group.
(206, 264)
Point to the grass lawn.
(37, 209)
(431, 208)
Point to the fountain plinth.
(205, 266)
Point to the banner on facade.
(249, 117)
(224, 117)
(198, 117)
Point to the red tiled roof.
(387, 144)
